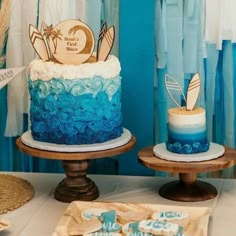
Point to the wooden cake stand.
(76, 186)
(187, 188)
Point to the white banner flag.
(6, 75)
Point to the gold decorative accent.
(14, 192)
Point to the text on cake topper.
(192, 91)
(71, 42)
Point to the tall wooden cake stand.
(76, 185)
(187, 188)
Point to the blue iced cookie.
(108, 220)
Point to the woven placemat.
(14, 192)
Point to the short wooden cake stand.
(76, 186)
(187, 188)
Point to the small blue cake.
(75, 105)
(187, 133)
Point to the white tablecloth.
(40, 215)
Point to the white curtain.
(20, 52)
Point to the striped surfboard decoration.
(106, 44)
(46, 41)
(102, 32)
(173, 86)
(38, 43)
(193, 92)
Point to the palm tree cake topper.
(192, 91)
(71, 42)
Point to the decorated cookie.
(91, 212)
(132, 216)
(158, 227)
(178, 217)
(180, 231)
(88, 226)
(131, 229)
(108, 220)
(103, 234)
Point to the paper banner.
(6, 75)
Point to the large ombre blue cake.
(187, 132)
(75, 104)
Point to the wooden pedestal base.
(188, 189)
(76, 185)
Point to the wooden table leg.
(76, 186)
(188, 189)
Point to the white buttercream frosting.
(181, 117)
(42, 70)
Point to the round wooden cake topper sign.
(72, 42)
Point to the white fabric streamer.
(55, 11)
(19, 52)
(220, 21)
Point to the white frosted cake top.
(180, 116)
(183, 111)
(43, 70)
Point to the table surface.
(42, 213)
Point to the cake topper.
(106, 37)
(102, 32)
(192, 91)
(44, 32)
(172, 84)
(71, 42)
(38, 43)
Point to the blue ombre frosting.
(187, 141)
(187, 132)
(76, 111)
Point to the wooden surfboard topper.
(172, 85)
(192, 91)
(107, 42)
(38, 43)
